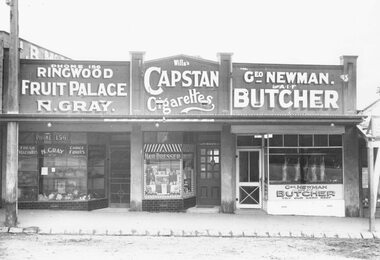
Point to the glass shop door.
(120, 177)
(248, 165)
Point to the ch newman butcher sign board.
(74, 87)
(181, 85)
(287, 89)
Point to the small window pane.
(150, 137)
(276, 140)
(26, 138)
(78, 138)
(248, 141)
(216, 159)
(290, 140)
(335, 140)
(243, 166)
(306, 140)
(320, 140)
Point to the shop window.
(63, 172)
(290, 140)
(335, 140)
(61, 166)
(276, 140)
(168, 170)
(26, 138)
(27, 172)
(162, 175)
(320, 140)
(249, 140)
(306, 166)
(305, 140)
(150, 137)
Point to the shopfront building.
(181, 132)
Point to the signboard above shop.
(74, 87)
(287, 89)
(181, 85)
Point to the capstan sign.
(68, 87)
(181, 85)
(287, 89)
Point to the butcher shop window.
(305, 159)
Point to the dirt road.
(125, 247)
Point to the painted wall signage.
(181, 85)
(53, 87)
(287, 89)
(29, 50)
(62, 150)
(306, 192)
(52, 137)
(27, 150)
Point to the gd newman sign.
(306, 192)
(59, 87)
(287, 89)
(181, 85)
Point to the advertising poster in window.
(162, 169)
(181, 85)
(306, 192)
(287, 89)
(74, 87)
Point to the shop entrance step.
(250, 212)
(204, 209)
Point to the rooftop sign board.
(29, 50)
(80, 87)
(287, 89)
(180, 85)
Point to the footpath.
(121, 222)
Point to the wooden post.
(14, 60)
(11, 212)
(12, 107)
(1, 74)
(372, 200)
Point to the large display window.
(61, 166)
(168, 167)
(305, 159)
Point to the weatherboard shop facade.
(179, 132)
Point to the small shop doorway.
(208, 178)
(248, 165)
(119, 176)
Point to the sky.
(270, 31)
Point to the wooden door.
(120, 176)
(208, 179)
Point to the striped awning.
(163, 148)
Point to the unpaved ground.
(162, 248)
